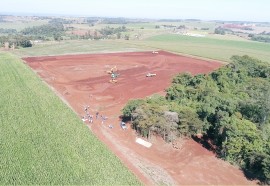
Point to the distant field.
(78, 47)
(19, 25)
(219, 49)
(43, 142)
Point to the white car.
(123, 125)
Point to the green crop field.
(42, 141)
(212, 48)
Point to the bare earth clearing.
(82, 80)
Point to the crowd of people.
(90, 117)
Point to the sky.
(231, 10)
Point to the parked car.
(123, 125)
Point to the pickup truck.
(150, 75)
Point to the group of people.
(89, 117)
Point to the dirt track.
(82, 80)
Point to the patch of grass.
(43, 142)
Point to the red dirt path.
(81, 80)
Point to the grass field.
(19, 25)
(42, 141)
(218, 48)
(77, 47)
(212, 48)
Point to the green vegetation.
(16, 40)
(108, 31)
(261, 38)
(8, 31)
(48, 30)
(220, 31)
(43, 142)
(77, 47)
(20, 25)
(212, 48)
(138, 34)
(231, 106)
(53, 30)
(24, 37)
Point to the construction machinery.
(114, 76)
(150, 75)
(113, 69)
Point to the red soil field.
(82, 80)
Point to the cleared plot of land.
(43, 142)
(83, 80)
(208, 47)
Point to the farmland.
(82, 79)
(20, 25)
(42, 141)
(213, 48)
(218, 48)
(77, 47)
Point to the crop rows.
(42, 141)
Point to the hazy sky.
(243, 10)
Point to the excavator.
(113, 69)
(114, 75)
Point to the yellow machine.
(113, 69)
(113, 81)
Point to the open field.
(82, 80)
(19, 25)
(211, 48)
(77, 47)
(42, 141)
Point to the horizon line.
(95, 16)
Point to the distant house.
(35, 41)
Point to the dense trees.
(8, 31)
(107, 31)
(48, 30)
(261, 38)
(220, 31)
(230, 105)
(53, 30)
(16, 40)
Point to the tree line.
(231, 106)
(106, 33)
(53, 30)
